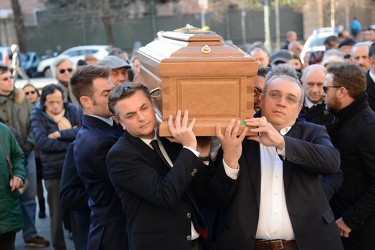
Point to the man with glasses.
(353, 135)
(259, 81)
(64, 70)
(279, 201)
(15, 110)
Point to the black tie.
(155, 146)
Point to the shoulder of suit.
(369, 116)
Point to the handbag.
(10, 167)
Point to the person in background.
(281, 56)
(55, 125)
(346, 47)
(90, 59)
(120, 54)
(296, 63)
(355, 28)
(370, 78)
(136, 68)
(290, 37)
(259, 80)
(118, 68)
(312, 79)
(33, 95)
(15, 110)
(64, 70)
(12, 178)
(353, 135)
(295, 47)
(261, 56)
(331, 42)
(359, 55)
(17, 63)
(343, 35)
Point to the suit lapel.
(153, 158)
(252, 155)
(294, 132)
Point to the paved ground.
(43, 229)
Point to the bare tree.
(106, 18)
(19, 26)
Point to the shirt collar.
(309, 104)
(108, 120)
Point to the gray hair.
(287, 78)
(60, 59)
(360, 44)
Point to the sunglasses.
(30, 92)
(62, 71)
(325, 88)
(7, 78)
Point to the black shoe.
(42, 215)
(37, 241)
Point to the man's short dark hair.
(331, 41)
(47, 90)
(350, 76)
(123, 91)
(3, 69)
(82, 80)
(263, 71)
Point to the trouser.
(7, 240)
(28, 203)
(55, 212)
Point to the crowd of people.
(304, 179)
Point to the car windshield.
(318, 41)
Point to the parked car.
(315, 42)
(39, 83)
(75, 54)
(4, 55)
(30, 65)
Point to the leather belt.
(275, 244)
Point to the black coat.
(354, 136)
(319, 115)
(370, 91)
(94, 140)
(160, 202)
(309, 154)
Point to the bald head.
(312, 80)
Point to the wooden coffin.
(197, 71)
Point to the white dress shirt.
(274, 221)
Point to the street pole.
(243, 24)
(203, 18)
(267, 40)
(203, 6)
(277, 24)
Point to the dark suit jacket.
(161, 202)
(309, 154)
(370, 91)
(73, 197)
(107, 230)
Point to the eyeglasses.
(257, 92)
(62, 71)
(9, 78)
(325, 88)
(276, 95)
(30, 92)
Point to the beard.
(333, 105)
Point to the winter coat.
(11, 218)
(52, 151)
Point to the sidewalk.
(43, 229)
